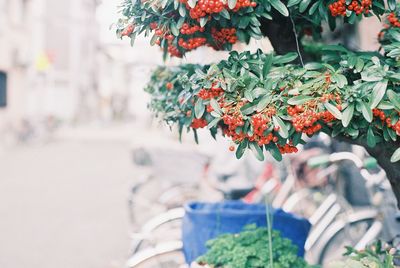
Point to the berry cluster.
(329, 96)
(393, 20)
(223, 36)
(128, 30)
(192, 34)
(204, 8)
(208, 7)
(287, 149)
(198, 123)
(174, 51)
(360, 9)
(153, 25)
(244, 3)
(306, 120)
(169, 86)
(233, 119)
(339, 7)
(192, 43)
(387, 120)
(211, 93)
(189, 30)
(260, 124)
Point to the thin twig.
(297, 41)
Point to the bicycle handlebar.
(369, 163)
(322, 160)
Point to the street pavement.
(64, 203)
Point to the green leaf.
(314, 8)
(274, 150)
(224, 13)
(248, 108)
(298, 100)
(203, 21)
(257, 150)
(314, 66)
(263, 103)
(396, 156)
(340, 80)
(153, 40)
(214, 104)
(280, 7)
(378, 92)
(213, 123)
(285, 58)
(385, 105)
(174, 29)
(182, 10)
(283, 129)
(192, 3)
(370, 77)
(359, 65)
(232, 4)
(392, 4)
(304, 5)
(347, 115)
(366, 111)
(371, 140)
(293, 3)
(248, 95)
(196, 137)
(199, 108)
(396, 76)
(394, 99)
(267, 65)
(241, 149)
(333, 110)
(334, 48)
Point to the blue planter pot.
(205, 221)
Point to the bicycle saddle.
(236, 193)
(230, 190)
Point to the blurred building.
(48, 54)
(13, 59)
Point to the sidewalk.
(64, 204)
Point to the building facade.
(48, 55)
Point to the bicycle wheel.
(349, 235)
(304, 203)
(167, 255)
(162, 228)
(158, 196)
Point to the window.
(3, 89)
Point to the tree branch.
(281, 34)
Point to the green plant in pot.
(255, 247)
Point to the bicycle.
(341, 222)
(324, 215)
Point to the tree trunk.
(383, 153)
(281, 34)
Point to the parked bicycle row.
(322, 201)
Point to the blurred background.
(72, 114)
